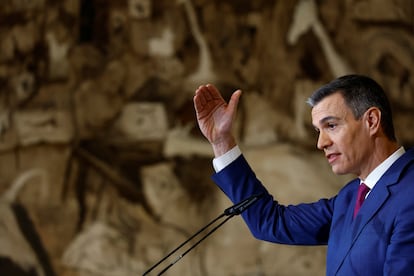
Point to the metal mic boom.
(230, 212)
(238, 208)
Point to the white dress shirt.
(378, 172)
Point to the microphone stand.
(230, 212)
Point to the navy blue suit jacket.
(379, 241)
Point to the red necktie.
(362, 192)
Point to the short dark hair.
(360, 93)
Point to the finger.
(198, 106)
(208, 93)
(214, 92)
(234, 101)
(200, 97)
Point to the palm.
(214, 115)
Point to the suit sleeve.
(303, 224)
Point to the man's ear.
(373, 119)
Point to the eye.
(331, 126)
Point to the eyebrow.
(326, 119)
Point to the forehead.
(332, 106)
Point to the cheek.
(349, 146)
(353, 148)
(345, 141)
(351, 137)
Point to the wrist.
(223, 146)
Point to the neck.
(386, 149)
(382, 149)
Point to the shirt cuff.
(224, 160)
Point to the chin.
(338, 171)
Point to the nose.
(323, 140)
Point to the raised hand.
(215, 117)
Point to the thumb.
(234, 101)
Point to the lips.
(332, 157)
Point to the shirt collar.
(378, 172)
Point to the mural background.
(103, 170)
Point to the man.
(355, 131)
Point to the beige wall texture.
(103, 170)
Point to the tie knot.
(363, 189)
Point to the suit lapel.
(346, 237)
(371, 205)
(380, 193)
(375, 200)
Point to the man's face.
(345, 140)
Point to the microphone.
(230, 212)
(238, 208)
